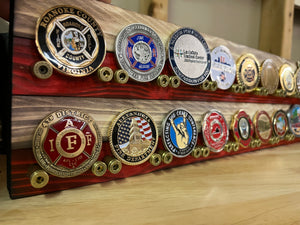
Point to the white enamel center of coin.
(74, 41)
(142, 52)
(190, 56)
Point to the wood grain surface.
(253, 188)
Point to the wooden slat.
(276, 28)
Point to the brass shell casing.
(196, 153)
(205, 151)
(163, 80)
(166, 156)
(99, 168)
(113, 165)
(39, 178)
(105, 74)
(155, 159)
(121, 76)
(174, 82)
(42, 70)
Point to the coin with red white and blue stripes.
(133, 137)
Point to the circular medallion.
(297, 74)
(70, 40)
(242, 128)
(280, 123)
(248, 72)
(67, 143)
(179, 133)
(269, 76)
(189, 56)
(262, 126)
(215, 131)
(287, 79)
(140, 52)
(133, 137)
(294, 120)
(223, 67)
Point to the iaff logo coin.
(67, 143)
(189, 56)
(133, 137)
(242, 128)
(140, 52)
(179, 132)
(214, 130)
(70, 40)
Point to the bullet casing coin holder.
(103, 97)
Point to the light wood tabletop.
(261, 187)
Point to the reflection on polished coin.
(248, 73)
(223, 67)
(70, 40)
(280, 123)
(67, 143)
(179, 132)
(262, 126)
(294, 119)
(287, 79)
(189, 56)
(133, 137)
(242, 128)
(140, 52)
(215, 130)
(269, 76)
(297, 75)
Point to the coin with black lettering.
(66, 143)
(269, 76)
(287, 79)
(189, 56)
(70, 40)
(293, 115)
(133, 137)
(140, 52)
(280, 123)
(223, 68)
(242, 128)
(215, 130)
(179, 132)
(248, 72)
(263, 126)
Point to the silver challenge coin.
(140, 52)
(179, 132)
(189, 56)
(223, 68)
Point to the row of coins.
(72, 42)
(68, 142)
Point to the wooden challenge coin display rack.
(95, 97)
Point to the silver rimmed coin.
(67, 143)
(215, 130)
(223, 68)
(293, 115)
(70, 40)
(140, 52)
(179, 132)
(280, 123)
(189, 56)
(133, 137)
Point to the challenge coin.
(242, 128)
(189, 56)
(67, 143)
(133, 137)
(215, 130)
(287, 79)
(280, 123)
(262, 126)
(70, 40)
(248, 73)
(140, 52)
(294, 119)
(223, 68)
(179, 132)
(269, 76)
(297, 74)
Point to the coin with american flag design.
(133, 137)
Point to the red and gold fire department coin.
(215, 130)
(242, 128)
(67, 143)
(262, 126)
(280, 123)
